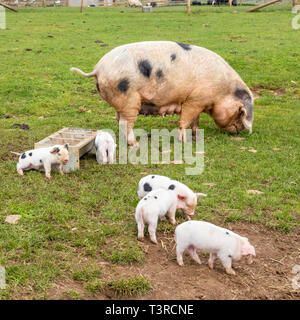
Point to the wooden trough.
(80, 142)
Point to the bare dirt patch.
(269, 277)
(257, 91)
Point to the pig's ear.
(248, 249)
(180, 202)
(199, 194)
(54, 150)
(66, 146)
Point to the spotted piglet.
(219, 242)
(187, 199)
(105, 148)
(154, 205)
(57, 155)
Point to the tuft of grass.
(87, 274)
(135, 286)
(124, 254)
(95, 286)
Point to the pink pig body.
(219, 242)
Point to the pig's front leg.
(211, 260)
(226, 261)
(60, 168)
(47, 167)
(171, 214)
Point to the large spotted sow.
(174, 77)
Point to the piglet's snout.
(65, 161)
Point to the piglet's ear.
(54, 150)
(66, 146)
(199, 194)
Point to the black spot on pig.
(172, 187)
(153, 177)
(227, 232)
(155, 197)
(173, 57)
(159, 74)
(23, 156)
(41, 161)
(30, 153)
(242, 94)
(145, 68)
(147, 187)
(184, 46)
(123, 85)
(229, 256)
(145, 198)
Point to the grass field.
(78, 231)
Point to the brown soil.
(269, 277)
(256, 92)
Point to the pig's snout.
(65, 161)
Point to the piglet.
(187, 199)
(154, 205)
(57, 155)
(105, 148)
(219, 242)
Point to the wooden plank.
(8, 7)
(262, 5)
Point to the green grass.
(129, 287)
(37, 88)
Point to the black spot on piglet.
(153, 177)
(30, 153)
(172, 187)
(147, 187)
(173, 57)
(23, 156)
(155, 197)
(145, 68)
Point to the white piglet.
(105, 148)
(57, 155)
(154, 205)
(219, 242)
(187, 199)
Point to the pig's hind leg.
(193, 253)
(152, 231)
(179, 253)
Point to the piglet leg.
(47, 167)
(152, 230)
(211, 260)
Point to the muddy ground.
(269, 277)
